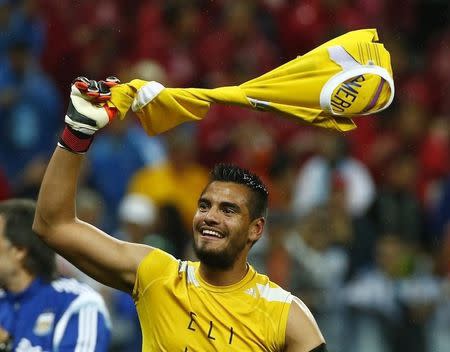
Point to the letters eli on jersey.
(192, 315)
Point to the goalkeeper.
(219, 303)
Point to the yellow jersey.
(345, 77)
(178, 311)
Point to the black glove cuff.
(75, 141)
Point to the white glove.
(87, 112)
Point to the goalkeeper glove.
(87, 113)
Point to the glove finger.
(111, 81)
(81, 79)
(82, 83)
(93, 89)
(104, 92)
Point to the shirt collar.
(30, 291)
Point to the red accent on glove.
(74, 141)
(111, 111)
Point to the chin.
(217, 259)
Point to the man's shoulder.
(156, 265)
(269, 290)
(74, 296)
(66, 291)
(159, 260)
(71, 289)
(69, 285)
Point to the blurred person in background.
(281, 180)
(218, 137)
(183, 25)
(332, 172)
(29, 180)
(170, 225)
(403, 130)
(319, 269)
(180, 179)
(434, 158)
(375, 313)
(440, 214)
(435, 180)
(20, 21)
(437, 337)
(323, 266)
(252, 145)
(397, 208)
(177, 28)
(38, 311)
(392, 302)
(27, 98)
(138, 217)
(436, 63)
(315, 178)
(235, 49)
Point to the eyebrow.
(222, 204)
(203, 199)
(230, 205)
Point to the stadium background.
(360, 223)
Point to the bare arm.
(106, 259)
(302, 332)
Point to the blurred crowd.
(359, 224)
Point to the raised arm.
(106, 259)
(302, 332)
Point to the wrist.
(75, 141)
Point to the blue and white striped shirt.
(60, 316)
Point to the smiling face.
(223, 228)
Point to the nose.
(211, 217)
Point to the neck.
(20, 282)
(224, 277)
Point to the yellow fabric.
(293, 90)
(166, 185)
(178, 311)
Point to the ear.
(256, 229)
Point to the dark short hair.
(260, 196)
(19, 215)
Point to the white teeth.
(212, 233)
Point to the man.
(38, 313)
(217, 304)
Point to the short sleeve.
(157, 264)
